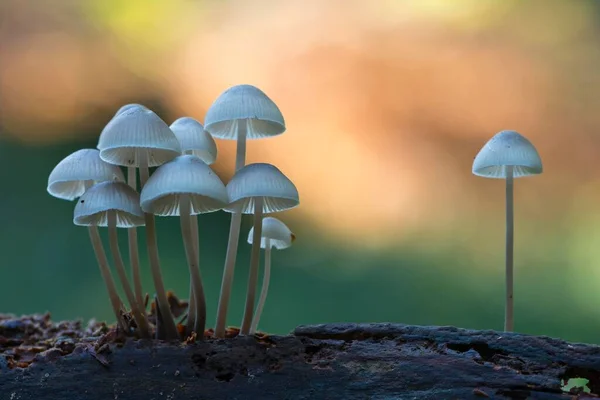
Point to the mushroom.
(508, 155)
(134, 254)
(186, 186)
(71, 177)
(241, 112)
(274, 234)
(114, 205)
(137, 137)
(258, 189)
(194, 140)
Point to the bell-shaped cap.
(129, 107)
(277, 232)
(137, 131)
(93, 207)
(67, 180)
(194, 140)
(244, 104)
(185, 175)
(261, 180)
(507, 148)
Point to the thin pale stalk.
(509, 319)
(115, 301)
(138, 316)
(134, 254)
(152, 245)
(265, 287)
(254, 261)
(232, 243)
(192, 301)
(192, 257)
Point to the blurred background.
(386, 104)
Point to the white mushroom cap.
(507, 148)
(129, 107)
(185, 175)
(93, 207)
(261, 180)
(244, 102)
(193, 139)
(67, 180)
(276, 231)
(137, 130)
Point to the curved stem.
(134, 254)
(138, 316)
(115, 301)
(254, 260)
(508, 318)
(265, 287)
(152, 245)
(234, 237)
(196, 279)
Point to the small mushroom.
(274, 234)
(259, 189)
(186, 186)
(240, 113)
(508, 155)
(137, 137)
(194, 140)
(114, 205)
(71, 177)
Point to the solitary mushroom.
(186, 186)
(241, 112)
(259, 189)
(114, 205)
(508, 155)
(274, 234)
(71, 177)
(137, 137)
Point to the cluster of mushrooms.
(183, 185)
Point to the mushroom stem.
(508, 320)
(192, 302)
(152, 245)
(232, 243)
(115, 301)
(265, 287)
(134, 255)
(254, 260)
(192, 257)
(138, 316)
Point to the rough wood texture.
(335, 361)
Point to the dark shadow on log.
(335, 361)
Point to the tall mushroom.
(69, 179)
(508, 155)
(114, 205)
(194, 140)
(274, 234)
(186, 186)
(258, 189)
(137, 137)
(240, 113)
(134, 254)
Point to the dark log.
(334, 361)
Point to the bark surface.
(331, 361)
